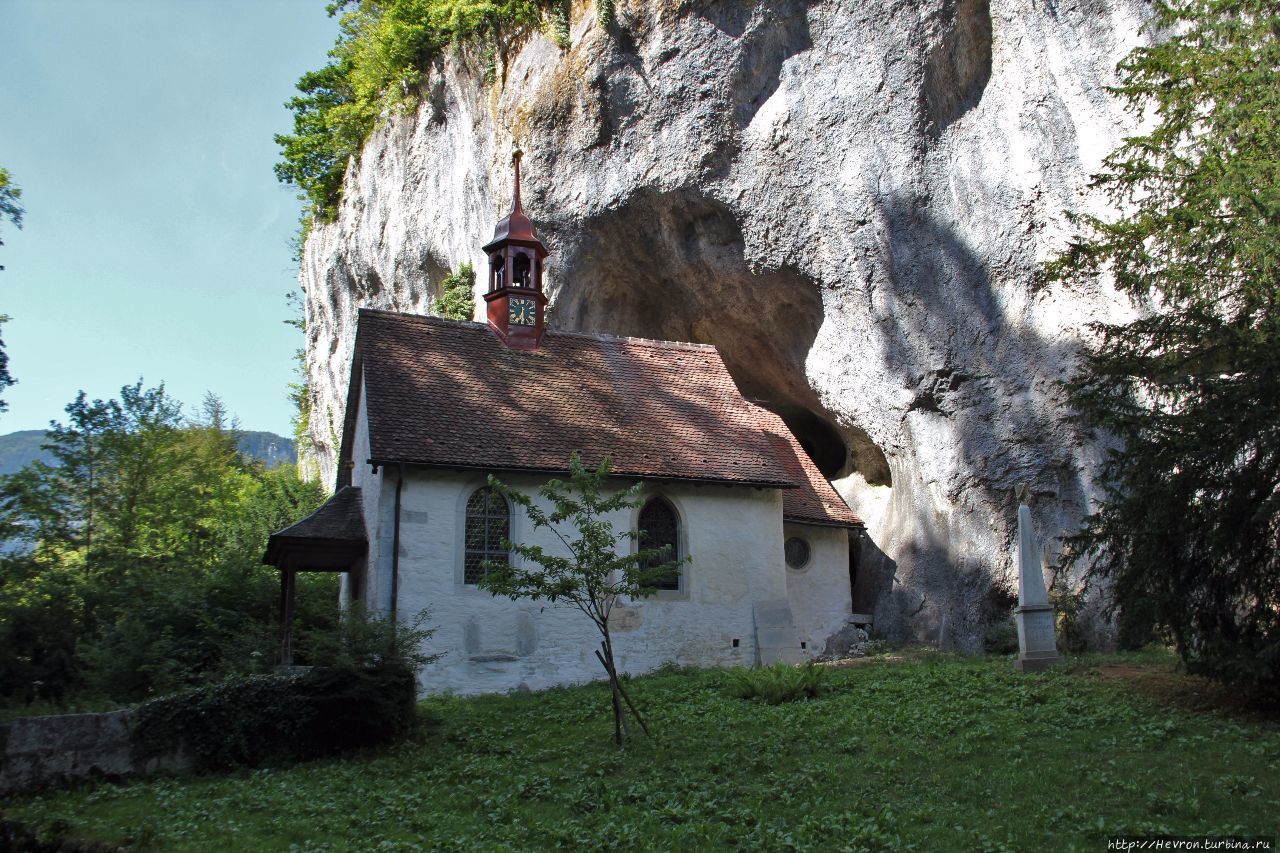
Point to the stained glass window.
(488, 524)
(659, 525)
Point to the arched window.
(497, 272)
(659, 525)
(488, 523)
(520, 271)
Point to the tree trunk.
(621, 726)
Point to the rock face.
(850, 199)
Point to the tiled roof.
(813, 501)
(338, 522)
(446, 393)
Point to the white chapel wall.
(819, 592)
(734, 535)
(377, 592)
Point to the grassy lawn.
(935, 753)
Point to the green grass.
(931, 754)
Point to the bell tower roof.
(516, 227)
(515, 304)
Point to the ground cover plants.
(930, 754)
(778, 683)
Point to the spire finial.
(516, 154)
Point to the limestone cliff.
(850, 199)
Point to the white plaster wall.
(733, 534)
(820, 599)
(370, 483)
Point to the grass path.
(931, 754)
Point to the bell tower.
(516, 303)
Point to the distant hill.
(18, 449)
(267, 447)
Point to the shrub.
(365, 640)
(778, 683)
(1000, 631)
(246, 721)
(362, 694)
(457, 301)
(1001, 637)
(879, 646)
(1068, 605)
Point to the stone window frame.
(681, 593)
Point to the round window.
(797, 552)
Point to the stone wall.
(39, 751)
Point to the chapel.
(434, 406)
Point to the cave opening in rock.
(671, 266)
(821, 440)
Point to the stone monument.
(1037, 643)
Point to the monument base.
(1037, 664)
(1037, 644)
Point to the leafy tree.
(328, 129)
(1189, 531)
(40, 607)
(457, 299)
(146, 571)
(594, 567)
(6, 379)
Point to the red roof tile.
(445, 393)
(813, 501)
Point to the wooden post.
(286, 616)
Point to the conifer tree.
(1188, 534)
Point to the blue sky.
(156, 240)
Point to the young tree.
(594, 566)
(1189, 531)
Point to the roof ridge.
(631, 339)
(433, 319)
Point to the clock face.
(522, 312)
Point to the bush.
(1068, 606)
(361, 694)
(457, 301)
(246, 721)
(778, 683)
(1001, 637)
(368, 640)
(1000, 631)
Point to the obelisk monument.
(1037, 643)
